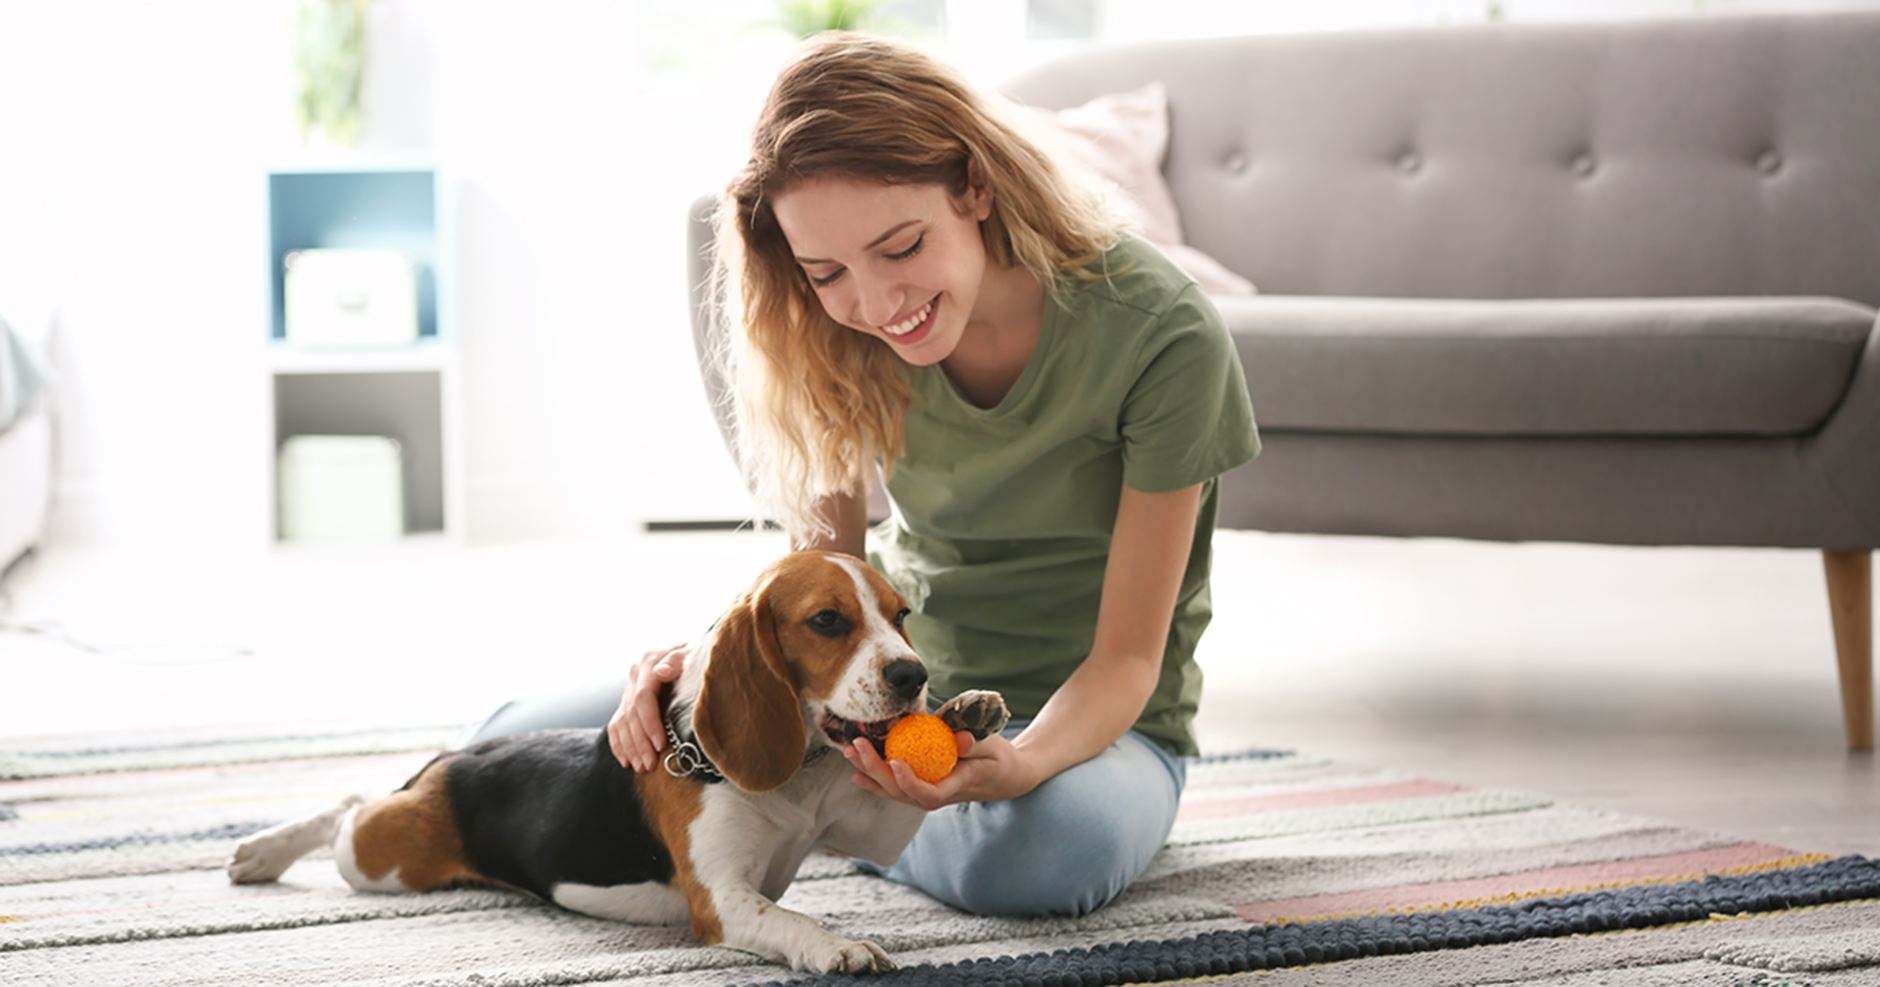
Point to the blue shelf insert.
(390, 209)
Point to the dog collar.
(687, 759)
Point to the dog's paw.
(845, 956)
(260, 859)
(979, 712)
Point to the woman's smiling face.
(902, 263)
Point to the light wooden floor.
(1696, 686)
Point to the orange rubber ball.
(926, 743)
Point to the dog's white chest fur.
(768, 835)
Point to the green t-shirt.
(1002, 517)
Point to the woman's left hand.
(990, 770)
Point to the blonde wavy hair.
(817, 401)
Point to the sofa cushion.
(1696, 366)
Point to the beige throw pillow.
(1116, 143)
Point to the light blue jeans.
(1065, 849)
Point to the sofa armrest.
(1848, 442)
(708, 324)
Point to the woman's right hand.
(637, 732)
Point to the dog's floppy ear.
(748, 718)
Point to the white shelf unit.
(408, 393)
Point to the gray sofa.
(1608, 283)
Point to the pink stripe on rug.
(1578, 877)
(1317, 799)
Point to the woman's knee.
(1046, 871)
(1074, 844)
(582, 706)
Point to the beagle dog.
(810, 658)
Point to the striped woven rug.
(1283, 869)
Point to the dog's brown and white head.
(813, 654)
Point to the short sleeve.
(1188, 417)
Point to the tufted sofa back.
(1703, 156)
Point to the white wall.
(133, 141)
(576, 161)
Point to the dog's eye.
(901, 618)
(829, 623)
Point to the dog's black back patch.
(553, 807)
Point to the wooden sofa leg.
(1850, 600)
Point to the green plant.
(329, 68)
(804, 18)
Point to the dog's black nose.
(905, 677)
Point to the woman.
(1051, 401)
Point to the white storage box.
(351, 298)
(341, 488)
